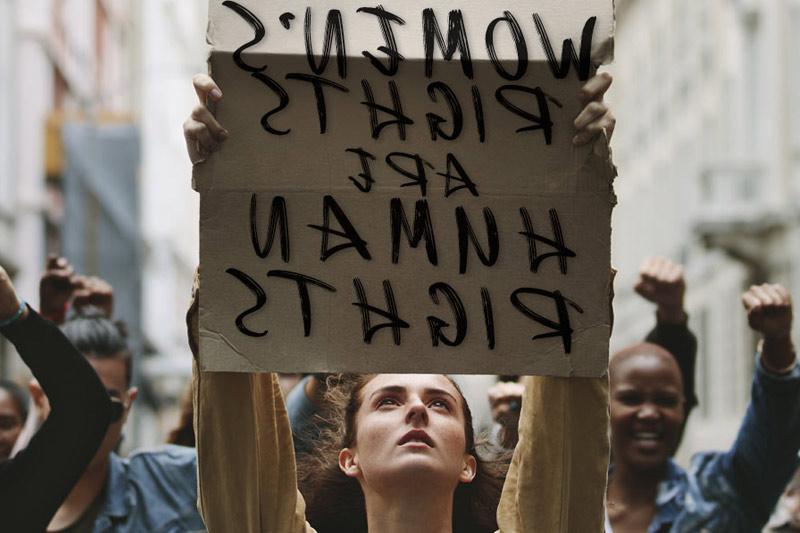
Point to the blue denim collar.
(118, 502)
(669, 496)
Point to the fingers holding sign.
(596, 118)
(203, 134)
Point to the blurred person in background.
(34, 483)
(660, 282)
(183, 432)
(13, 413)
(154, 490)
(505, 400)
(59, 290)
(722, 492)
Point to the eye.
(440, 404)
(387, 400)
(629, 398)
(667, 400)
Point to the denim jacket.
(153, 491)
(735, 491)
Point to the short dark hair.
(19, 396)
(93, 334)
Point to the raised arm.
(557, 479)
(750, 477)
(35, 482)
(661, 282)
(247, 478)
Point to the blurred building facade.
(92, 165)
(708, 150)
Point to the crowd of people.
(385, 453)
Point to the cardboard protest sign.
(400, 191)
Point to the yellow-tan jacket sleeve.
(557, 479)
(247, 480)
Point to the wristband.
(15, 316)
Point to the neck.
(633, 485)
(83, 494)
(421, 510)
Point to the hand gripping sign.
(400, 191)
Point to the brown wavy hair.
(335, 502)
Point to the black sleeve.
(37, 480)
(678, 340)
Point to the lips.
(418, 436)
(647, 435)
(648, 440)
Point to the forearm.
(778, 355)
(38, 479)
(678, 340)
(246, 467)
(67, 379)
(561, 460)
(764, 455)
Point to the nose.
(417, 414)
(648, 411)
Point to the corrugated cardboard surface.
(511, 170)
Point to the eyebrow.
(397, 389)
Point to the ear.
(40, 400)
(38, 396)
(348, 463)
(133, 393)
(469, 470)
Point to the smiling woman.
(647, 406)
(732, 491)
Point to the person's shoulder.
(164, 452)
(710, 472)
(164, 457)
(703, 461)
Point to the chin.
(648, 461)
(418, 468)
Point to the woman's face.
(10, 423)
(409, 430)
(646, 410)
